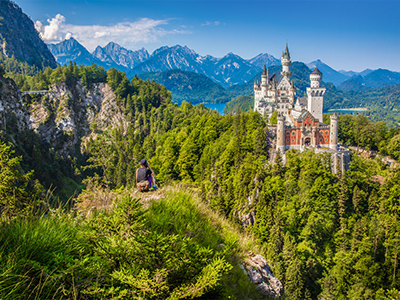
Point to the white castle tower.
(285, 60)
(315, 95)
(333, 140)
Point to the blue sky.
(350, 35)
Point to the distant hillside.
(189, 86)
(242, 103)
(375, 79)
(352, 73)
(19, 38)
(329, 74)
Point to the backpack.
(143, 186)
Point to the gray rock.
(260, 273)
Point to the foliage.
(14, 197)
(240, 104)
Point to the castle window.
(292, 140)
(327, 132)
(287, 132)
(326, 140)
(321, 140)
(287, 141)
(293, 133)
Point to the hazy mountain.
(189, 86)
(352, 73)
(71, 50)
(114, 53)
(232, 69)
(374, 79)
(329, 74)
(169, 58)
(19, 37)
(227, 71)
(264, 59)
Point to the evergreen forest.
(75, 227)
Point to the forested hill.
(20, 40)
(189, 86)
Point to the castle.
(299, 121)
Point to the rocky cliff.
(19, 38)
(61, 116)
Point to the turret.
(333, 139)
(280, 134)
(286, 62)
(315, 78)
(264, 81)
(315, 95)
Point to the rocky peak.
(114, 53)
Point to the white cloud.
(213, 23)
(126, 34)
(53, 31)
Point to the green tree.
(14, 197)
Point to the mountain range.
(226, 71)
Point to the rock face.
(68, 113)
(260, 273)
(19, 37)
(62, 116)
(13, 115)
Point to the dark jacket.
(142, 174)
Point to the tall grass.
(36, 255)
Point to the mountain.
(169, 58)
(227, 71)
(352, 73)
(71, 50)
(329, 74)
(115, 54)
(374, 79)
(264, 59)
(232, 69)
(189, 86)
(19, 38)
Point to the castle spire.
(285, 60)
(286, 53)
(264, 70)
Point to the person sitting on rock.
(144, 176)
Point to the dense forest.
(325, 235)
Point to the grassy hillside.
(167, 245)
